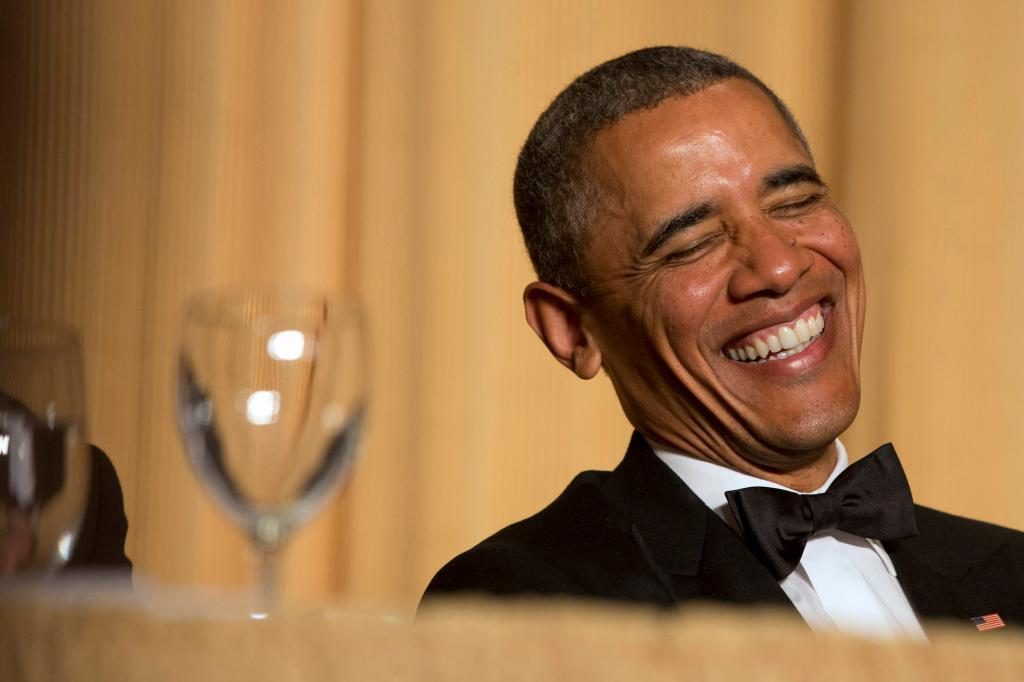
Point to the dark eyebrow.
(790, 175)
(677, 223)
(783, 177)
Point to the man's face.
(716, 254)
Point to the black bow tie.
(870, 499)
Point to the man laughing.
(685, 243)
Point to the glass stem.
(267, 590)
(268, 536)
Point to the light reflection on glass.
(286, 345)
(64, 546)
(261, 407)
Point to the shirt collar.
(710, 481)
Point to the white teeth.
(802, 332)
(789, 341)
(788, 338)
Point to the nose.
(769, 260)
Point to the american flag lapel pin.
(989, 622)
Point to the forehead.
(724, 137)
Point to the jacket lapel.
(695, 555)
(955, 579)
(929, 588)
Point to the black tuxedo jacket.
(100, 543)
(639, 534)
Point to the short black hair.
(555, 200)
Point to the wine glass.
(271, 400)
(44, 459)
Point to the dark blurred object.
(32, 472)
(40, 468)
(100, 543)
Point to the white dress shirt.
(842, 582)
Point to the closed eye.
(694, 251)
(796, 207)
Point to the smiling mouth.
(779, 341)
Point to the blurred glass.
(44, 458)
(271, 398)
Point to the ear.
(555, 315)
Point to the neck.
(807, 478)
(809, 474)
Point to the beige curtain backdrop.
(150, 149)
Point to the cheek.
(686, 303)
(834, 239)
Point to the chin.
(811, 430)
